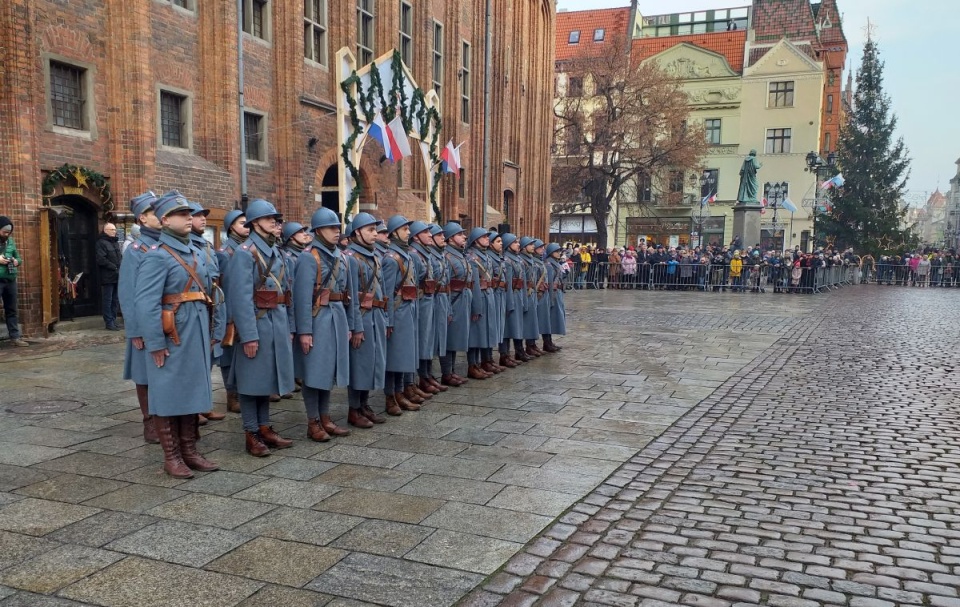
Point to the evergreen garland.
(93, 179)
(366, 102)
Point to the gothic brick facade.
(129, 50)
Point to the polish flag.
(399, 143)
(450, 158)
(378, 130)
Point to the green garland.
(94, 180)
(365, 103)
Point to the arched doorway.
(77, 231)
(330, 190)
(508, 210)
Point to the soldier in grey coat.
(558, 313)
(400, 289)
(172, 305)
(420, 243)
(256, 289)
(543, 300)
(498, 291)
(441, 302)
(481, 323)
(135, 358)
(515, 301)
(294, 238)
(198, 225)
(367, 321)
(531, 328)
(462, 306)
(320, 295)
(234, 224)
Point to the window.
(598, 34)
(253, 133)
(572, 140)
(173, 114)
(574, 37)
(644, 188)
(365, 34)
(829, 104)
(676, 182)
(465, 84)
(189, 5)
(437, 57)
(315, 30)
(781, 94)
(256, 18)
(826, 142)
(711, 184)
(575, 86)
(462, 184)
(68, 96)
(712, 126)
(406, 34)
(778, 141)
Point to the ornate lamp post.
(775, 193)
(707, 181)
(820, 168)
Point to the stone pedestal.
(746, 223)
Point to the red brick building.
(143, 94)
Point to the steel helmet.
(452, 229)
(324, 218)
(493, 234)
(347, 230)
(537, 243)
(381, 226)
(197, 209)
(260, 208)
(290, 228)
(396, 222)
(552, 248)
(231, 217)
(475, 235)
(435, 230)
(525, 241)
(361, 220)
(418, 226)
(509, 239)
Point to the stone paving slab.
(426, 504)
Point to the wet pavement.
(703, 449)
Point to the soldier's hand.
(306, 343)
(449, 319)
(137, 343)
(474, 318)
(389, 332)
(250, 348)
(356, 339)
(160, 357)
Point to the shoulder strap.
(191, 272)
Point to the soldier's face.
(514, 247)
(383, 237)
(497, 245)
(330, 235)
(150, 220)
(403, 233)
(440, 240)
(367, 235)
(240, 228)
(199, 222)
(459, 239)
(424, 238)
(302, 237)
(178, 222)
(484, 241)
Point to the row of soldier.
(283, 307)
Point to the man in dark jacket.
(108, 261)
(9, 268)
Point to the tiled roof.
(612, 20)
(756, 54)
(832, 35)
(728, 44)
(775, 19)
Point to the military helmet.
(416, 227)
(452, 229)
(396, 222)
(509, 239)
(525, 241)
(260, 208)
(230, 218)
(552, 248)
(324, 218)
(361, 220)
(475, 235)
(290, 228)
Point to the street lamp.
(776, 193)
(820, 168)
(707, 181)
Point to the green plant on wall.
(366, 102)
(83, 177)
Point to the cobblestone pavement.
(825, 472)
(694, 446)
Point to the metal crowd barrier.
(901, 275)
(712, 277)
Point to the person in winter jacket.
(108, 261)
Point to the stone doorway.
(77, 232)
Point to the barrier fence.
(941, 276)
(712, 277)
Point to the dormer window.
(574, 37)
(598, 34)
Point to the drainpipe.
(487, 85)
(240, 104)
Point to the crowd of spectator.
(929, 268)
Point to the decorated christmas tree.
(865, 210)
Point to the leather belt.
(484, 284)
(179, 298)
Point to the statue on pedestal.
(749, 185)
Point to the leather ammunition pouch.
(429, 286)
(229, 334)
(457, 285)
(408, 293)
(368, 302)
(517, 284)
(168, 318)
(484, 284)
(266, 299)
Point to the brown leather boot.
(421, 393)
(532, 351)
(315, 431)
(297, 385)
(189, 435)
(506, 362)
(215, 416)
(406, 404)
(475, 372)
(450, 380)
(272, 439)
(440, 387)
(522, 356)
(537, 349)
(426, 386)
(332, 428)
(550, 348)
(489, 367)
(233, 402)
(356, 418)
(369, 413)
(149, 431)
(255, 445)
(274, 398)
(462, 380)
(168, 431)
(410, 394)
(392, 407)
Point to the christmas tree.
(865, 203)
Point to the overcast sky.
(917, 40)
